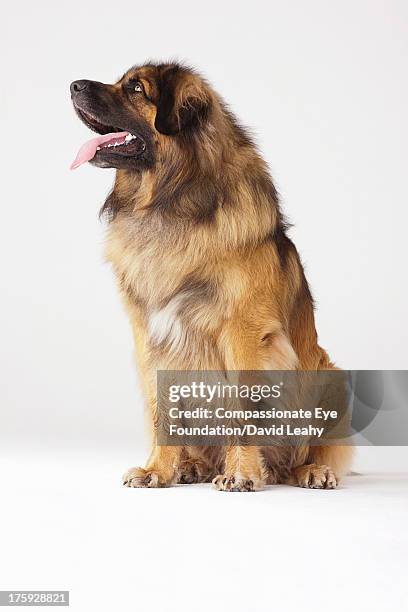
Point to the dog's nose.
(77, 86)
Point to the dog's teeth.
(129, 138)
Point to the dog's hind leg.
(194, 467)
(324, 468)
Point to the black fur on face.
(170, 101)
(104, 109)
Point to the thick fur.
(208, 274)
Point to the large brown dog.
(208, 275)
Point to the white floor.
(67, 523)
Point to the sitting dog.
(204, 265)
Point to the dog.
(208, 275)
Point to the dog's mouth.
(112, 141)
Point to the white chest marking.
(165, 324)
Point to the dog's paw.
(316, 477)
(192, 472)
(237, 482)
(140, 478)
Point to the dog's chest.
(175, 292)
(141, 261)
(184, 299)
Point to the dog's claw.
(237, 483)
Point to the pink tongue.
(88, 150)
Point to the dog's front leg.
(247, 348)
(161, 469)
(244, 470)
(162, 466)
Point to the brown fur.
(200, 232)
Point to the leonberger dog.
(208, 275)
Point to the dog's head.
(135, 116)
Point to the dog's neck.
(214, 189)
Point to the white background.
(323, 85)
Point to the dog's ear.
(183, 102)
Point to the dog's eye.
(138, 87)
